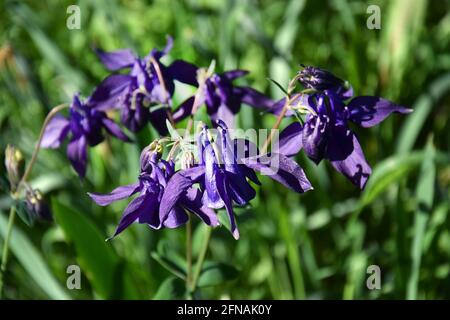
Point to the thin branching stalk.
(189, 254)
(280, 117)
(22, 182)
(5, 252)
(164, 87)
(49, 117)
(201, 258)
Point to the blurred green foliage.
(317, 245)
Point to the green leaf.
(169, 264)
(424, 196)
(4, 183)
(95, 256)
(279, 86)
(33, 263)
(387, 172)
(215, 273)
(172, 131)
(171, 289)
(422, 108)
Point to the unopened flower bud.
(14, 163)
(150, 153)
(318, 79)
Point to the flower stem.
(195, 106)
(163, 85)
(5, 253)
(22, 183)
(276, 125)
(49, 117)
(189, 254)
(201, 258)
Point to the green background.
(317, 245)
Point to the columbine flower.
(222, 172)
(325, 133)
(136, 92)
(151, 185)
(85, 125)
(223, 99)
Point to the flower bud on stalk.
(14, 163)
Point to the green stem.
(22, 183)
(5, 253)
(201, 258)
(276, 125)
(49, 117)
(189, 254)
(163, 85)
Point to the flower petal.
(116, 60)
(253, 97)
(149, 211)
(158, 120)
(55, 132)
(234, 74)
(223, 192)
(177, 217)
(184, 110)
(130, 215)
(184, 72)
(282, 169)
(277, 107)
(118, 193)
(211, 197)
(368, 111)
(346, 156)
(114, 129)
(77, 154)
(290, 139)
(225, 114)
(192, 201)
(108, 92)
(315, 137)
(241, 191)
(176, 187)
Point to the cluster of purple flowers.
(222, 173)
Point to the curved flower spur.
(325, 132)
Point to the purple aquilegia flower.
(151, 185)
(141, 89)
(325, 133)
(223, 99)
(85, 125)
(223, 170)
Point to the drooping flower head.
(152, 184)
(319, 79)
(325, 133)
(224, 170)
(140, 95)
(85, 126)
